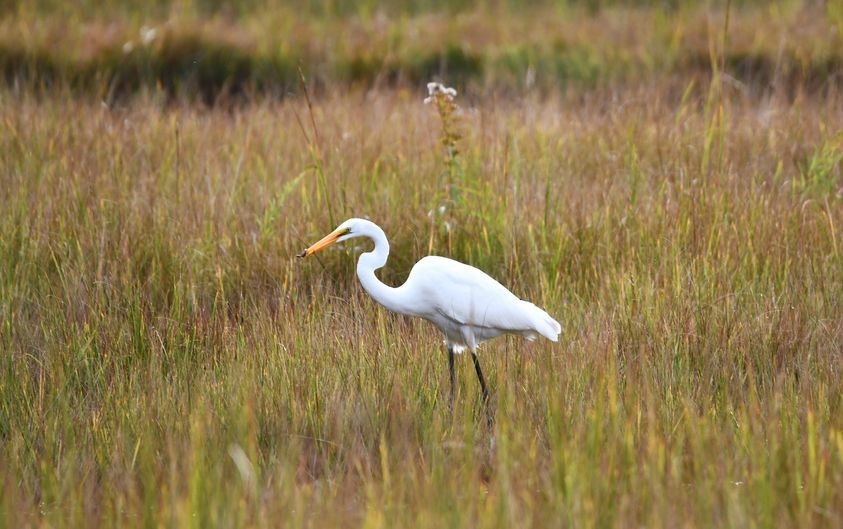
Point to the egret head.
(347, 230)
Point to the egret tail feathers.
(543, 323)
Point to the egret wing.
(469, 296)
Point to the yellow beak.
(323, 243)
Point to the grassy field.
(166, 361)
(181, 52)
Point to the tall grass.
(167, 362)
(183, 53)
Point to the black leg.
(480, 377)
(490, 418)
(453, 376)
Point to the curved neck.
(389, 297)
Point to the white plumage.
(469, 306)
(466, 304)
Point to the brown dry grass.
(155, 321)
(167, 362)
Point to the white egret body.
(466, 304)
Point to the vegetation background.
(664, 177)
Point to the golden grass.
(168, 362)
(184, 53)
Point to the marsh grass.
(167, 361)
(181, 52)
(154, 317)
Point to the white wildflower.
(437, 89)
(128, 47)
(440, 210)
(147, 35)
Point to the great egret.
(466, 304)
